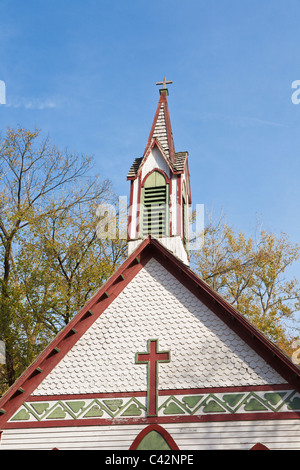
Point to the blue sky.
(84, 72)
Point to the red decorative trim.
(155, 143)
(138, 213)
(241, 388)
(85, 396)
(171, 215)
(65, 340)
(146, 155)
(169, 132)
(179, 204)
(152, 357)
(154, 427)
(259, 446)
(152, 171)
(129, 228)
(188, 180)
(184, 391)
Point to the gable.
(204, 351)
(210, 362)
(154, 160)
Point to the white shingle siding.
(160, 131)
(204, 351)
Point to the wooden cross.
(164, 83)
(152, 357)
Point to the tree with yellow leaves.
(50, 257)
(250, 274)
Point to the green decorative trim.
(231, 403)
(192, 401)
(274, 397)
(294, 404)
(94, 412)
(172, 405)
(58, 413)
(213, 406)
(21, 415)
(78, 409)
(132, 410)
(40, 408)
(76, 406)
(255, 405)
(173, 409)
(233, 399)
(113, 405)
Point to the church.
(156, 360)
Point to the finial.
(164, 83)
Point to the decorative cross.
(164, 83)
(152, 357)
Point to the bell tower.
(160, 192)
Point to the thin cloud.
(243, 121)
(34, 103)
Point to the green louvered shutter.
(155, 213)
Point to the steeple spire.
(161, 129)
(160, 191)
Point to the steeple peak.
(164, 83)
(161, 129)
(160, 192)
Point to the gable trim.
(217, 417)
(71, 333)
(155, 143)
(149, 248)
(231, 317)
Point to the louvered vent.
(154, 214)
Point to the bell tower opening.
(155, 206)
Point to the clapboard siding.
(200, 436)
(89, 437)
(242, 435)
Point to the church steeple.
(161, 129)
(160, 188)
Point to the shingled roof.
(161, 132)
(177, 166)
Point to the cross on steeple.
(164, 83)
(152, 357)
